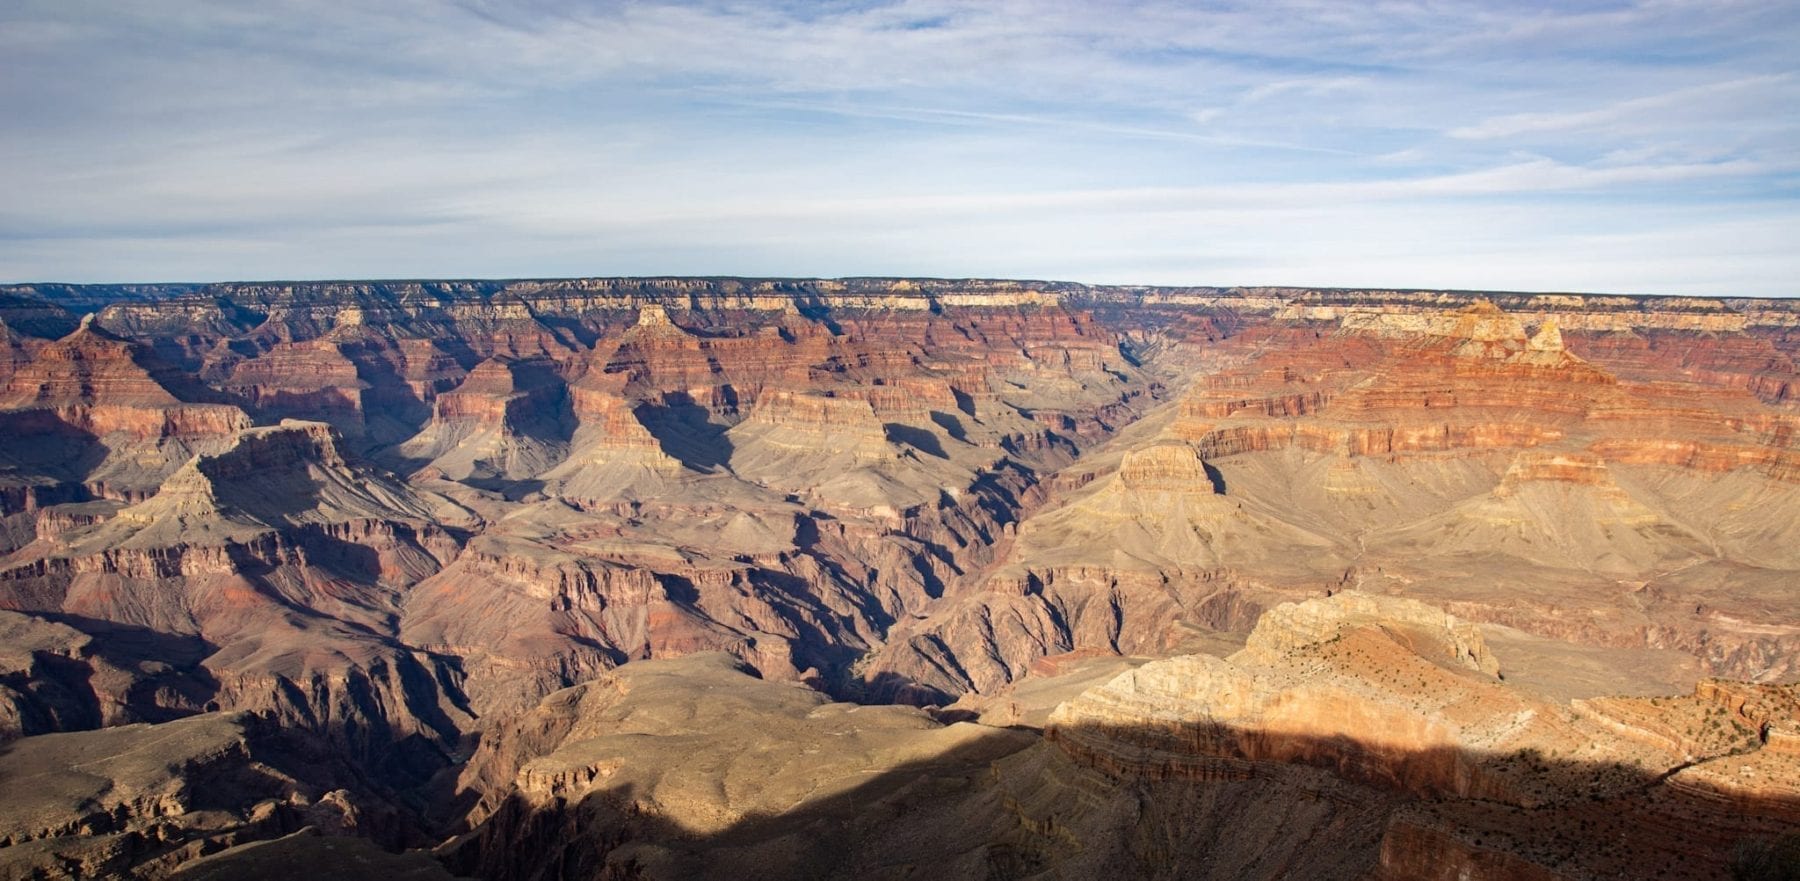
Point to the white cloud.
(1678, 107)
(207, 138)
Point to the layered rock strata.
(396, 516)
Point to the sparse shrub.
(1763, 859)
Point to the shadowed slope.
(1393, 752)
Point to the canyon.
(706, 577)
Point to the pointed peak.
(90, 329)
(493, 376)
(653, 323)
(1548, 338)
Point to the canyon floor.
(887, 578)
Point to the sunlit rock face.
(1393, 540)
(1395, 696)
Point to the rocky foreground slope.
(436, 529)
(1353, 737)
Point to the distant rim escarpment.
(552, 297)
(801, 286)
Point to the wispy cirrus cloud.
(1408, 143)
(1721, 101)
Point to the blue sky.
(1648, 147)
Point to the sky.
(1632, 147)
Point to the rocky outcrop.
(1424, 630)
(1397, 696)
(1392, 718)
(145, 800)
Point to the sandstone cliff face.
(1447, 453)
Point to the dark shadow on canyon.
(916, 438)
(510, 490)
(41, 444)
(1160, 810)
(951, 425)
(61, 693)
(686, 432)
(1214, 477)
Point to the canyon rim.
(667, 578)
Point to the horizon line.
(1123, 286)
